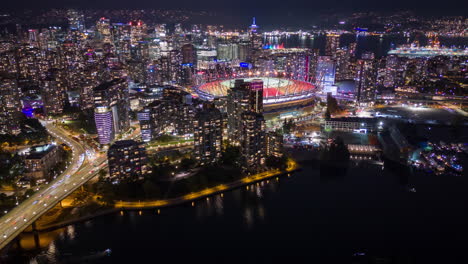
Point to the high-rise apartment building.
(332, 44)
(274, 144)
(111, 106)
(244, 96)
(252, 140)
(127, 160)
(366, 80)
(54, 88)
(10, 105)
(208, 135)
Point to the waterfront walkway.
(191, 197)
(291, 166)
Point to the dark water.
(379, 46)
(307, 218)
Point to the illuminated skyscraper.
(54, 88)
(274, 144)
(172, 114)
(243, 97)
(208, 135)
(75, 20)
(104, 29)
(138, 31)
(127, 160)
(252, 141)
(33, 37)
(10, 105)
(325, 75)
(366, 80)
(111, 107)
(189, 54)
(332, 44)
(256, 95)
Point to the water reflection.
(71, 232)
(333, 172)
(209, 207)
(379, 45)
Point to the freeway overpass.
(79, 172)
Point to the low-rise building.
(352, 124)
(40, 160)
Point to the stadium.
(275, 90)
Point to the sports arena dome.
(275, 90)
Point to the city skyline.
(196, 131)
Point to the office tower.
(111, 106)
(228, 51)
(208, 135)
(342, 58)
(178, 36)
(75, 20)
(10, 105)
(332, 44)
(244, 51)
(206, 58)
(103, 28)
(138, 31)
(274, 144)
(325, 75)
(186, 74)
(54, 88)
(252, 140)
(127, 160)
(189, 63)
(366, 80)
(189, 54)
(33, 37)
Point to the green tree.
(151, 190)
(332, 104)
(187, 163)
(231, 156)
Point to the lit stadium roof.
(275, 90)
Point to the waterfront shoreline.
(191, 197)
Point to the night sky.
(261, 7)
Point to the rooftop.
(38, 152)
(106, 85)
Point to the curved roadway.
(78, 173)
